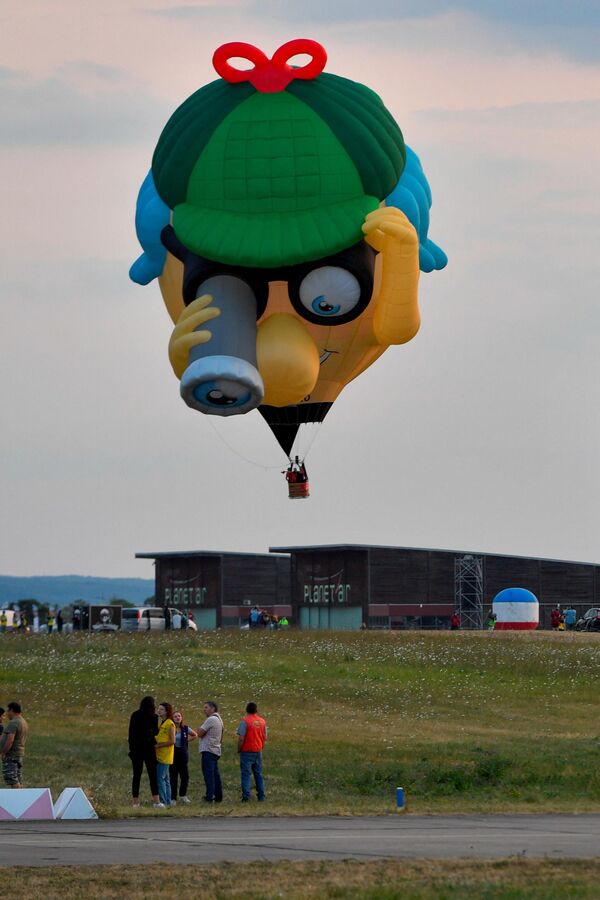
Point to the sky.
(482, 433)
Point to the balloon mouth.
(325, 356)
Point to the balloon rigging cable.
(253, 462)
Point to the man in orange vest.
(252, 735)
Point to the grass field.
(463, 721)
(514, 879)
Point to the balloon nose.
(222, 386)
(288, 360)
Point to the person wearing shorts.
(12, 746)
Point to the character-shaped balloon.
(286, 222)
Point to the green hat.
(274, 177)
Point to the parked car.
(590, 620)
(152, 618)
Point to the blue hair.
(151, 216)
(412, 195)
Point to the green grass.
(512, 879)
(464, 722)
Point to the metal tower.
(468, 590)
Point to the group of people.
(296, 472)
(159, 739)
(260, 618)
(18, 621)
(13, 736)
(566, 621)
(297, 479)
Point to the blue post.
(400, 799)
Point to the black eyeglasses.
(328, 291)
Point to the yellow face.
(300, 360)
(342, 351)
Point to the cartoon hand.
(185, 336)
(387, 229)
(396, 318)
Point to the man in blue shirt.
(570, 618)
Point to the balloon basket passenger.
(297, 480)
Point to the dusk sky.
(483, 433)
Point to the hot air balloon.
(286, 222)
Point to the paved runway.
(241, 839)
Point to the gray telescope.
(222, 378)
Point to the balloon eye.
(320, 305)
(329, 292)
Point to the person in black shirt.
(143, 728)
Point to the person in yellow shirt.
(165, 752)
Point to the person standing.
(455, 621)
(59, 621)
(12, 746)
(555, 617)
(570, 618)
(252, 735)
(50, 622)
(143, 728)
(3, 621)
(165, 751)
(211, 736)
(178, 771)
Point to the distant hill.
(60, 590)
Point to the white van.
(151, 618)
(143, 618)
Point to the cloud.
(84, 71)
(572, 29)
(199, 10)
(83, 104)
(561, 115)
(550, 13)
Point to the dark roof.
(313, 547)
(218, 553)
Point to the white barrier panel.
(26, 803)
(73, 804)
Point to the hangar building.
(221, 587)
(340, 586)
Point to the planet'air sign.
(326, 593)
(185, 596)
